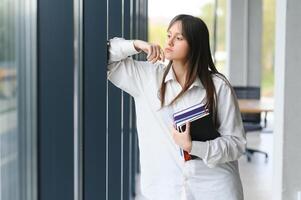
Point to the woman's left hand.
(183, 139)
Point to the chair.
(251, 122)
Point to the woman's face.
(176, 47)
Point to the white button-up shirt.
(164, 174)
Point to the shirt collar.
(172, 77)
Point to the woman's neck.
(180, 70)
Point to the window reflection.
(9, 158)
(15, 135)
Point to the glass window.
(214, 14)
(17, 101)
(159, 18)
(268, 48)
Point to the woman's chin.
(168, 57)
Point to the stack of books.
(201, 125)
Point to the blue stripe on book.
(204, 112)
(191, 119)
(189, 113)
(189, 108)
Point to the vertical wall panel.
(133, 135)
(55, 100)
(114, 110)
(126, 184)
(95, 81)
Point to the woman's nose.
(170, 41)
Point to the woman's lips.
(168, 49)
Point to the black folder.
(202, 129)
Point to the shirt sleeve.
(232, 143)
(123, 71)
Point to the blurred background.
(214, 13)
(68, 133)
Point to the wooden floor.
(256, 175)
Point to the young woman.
(189, 79)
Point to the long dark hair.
(199, 60)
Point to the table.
(253, 106)
(263, 105)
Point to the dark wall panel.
(55, 99)
(114, 110)
(95, 83)
(126, 114)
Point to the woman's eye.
(168, 36)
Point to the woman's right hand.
(154, 51)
